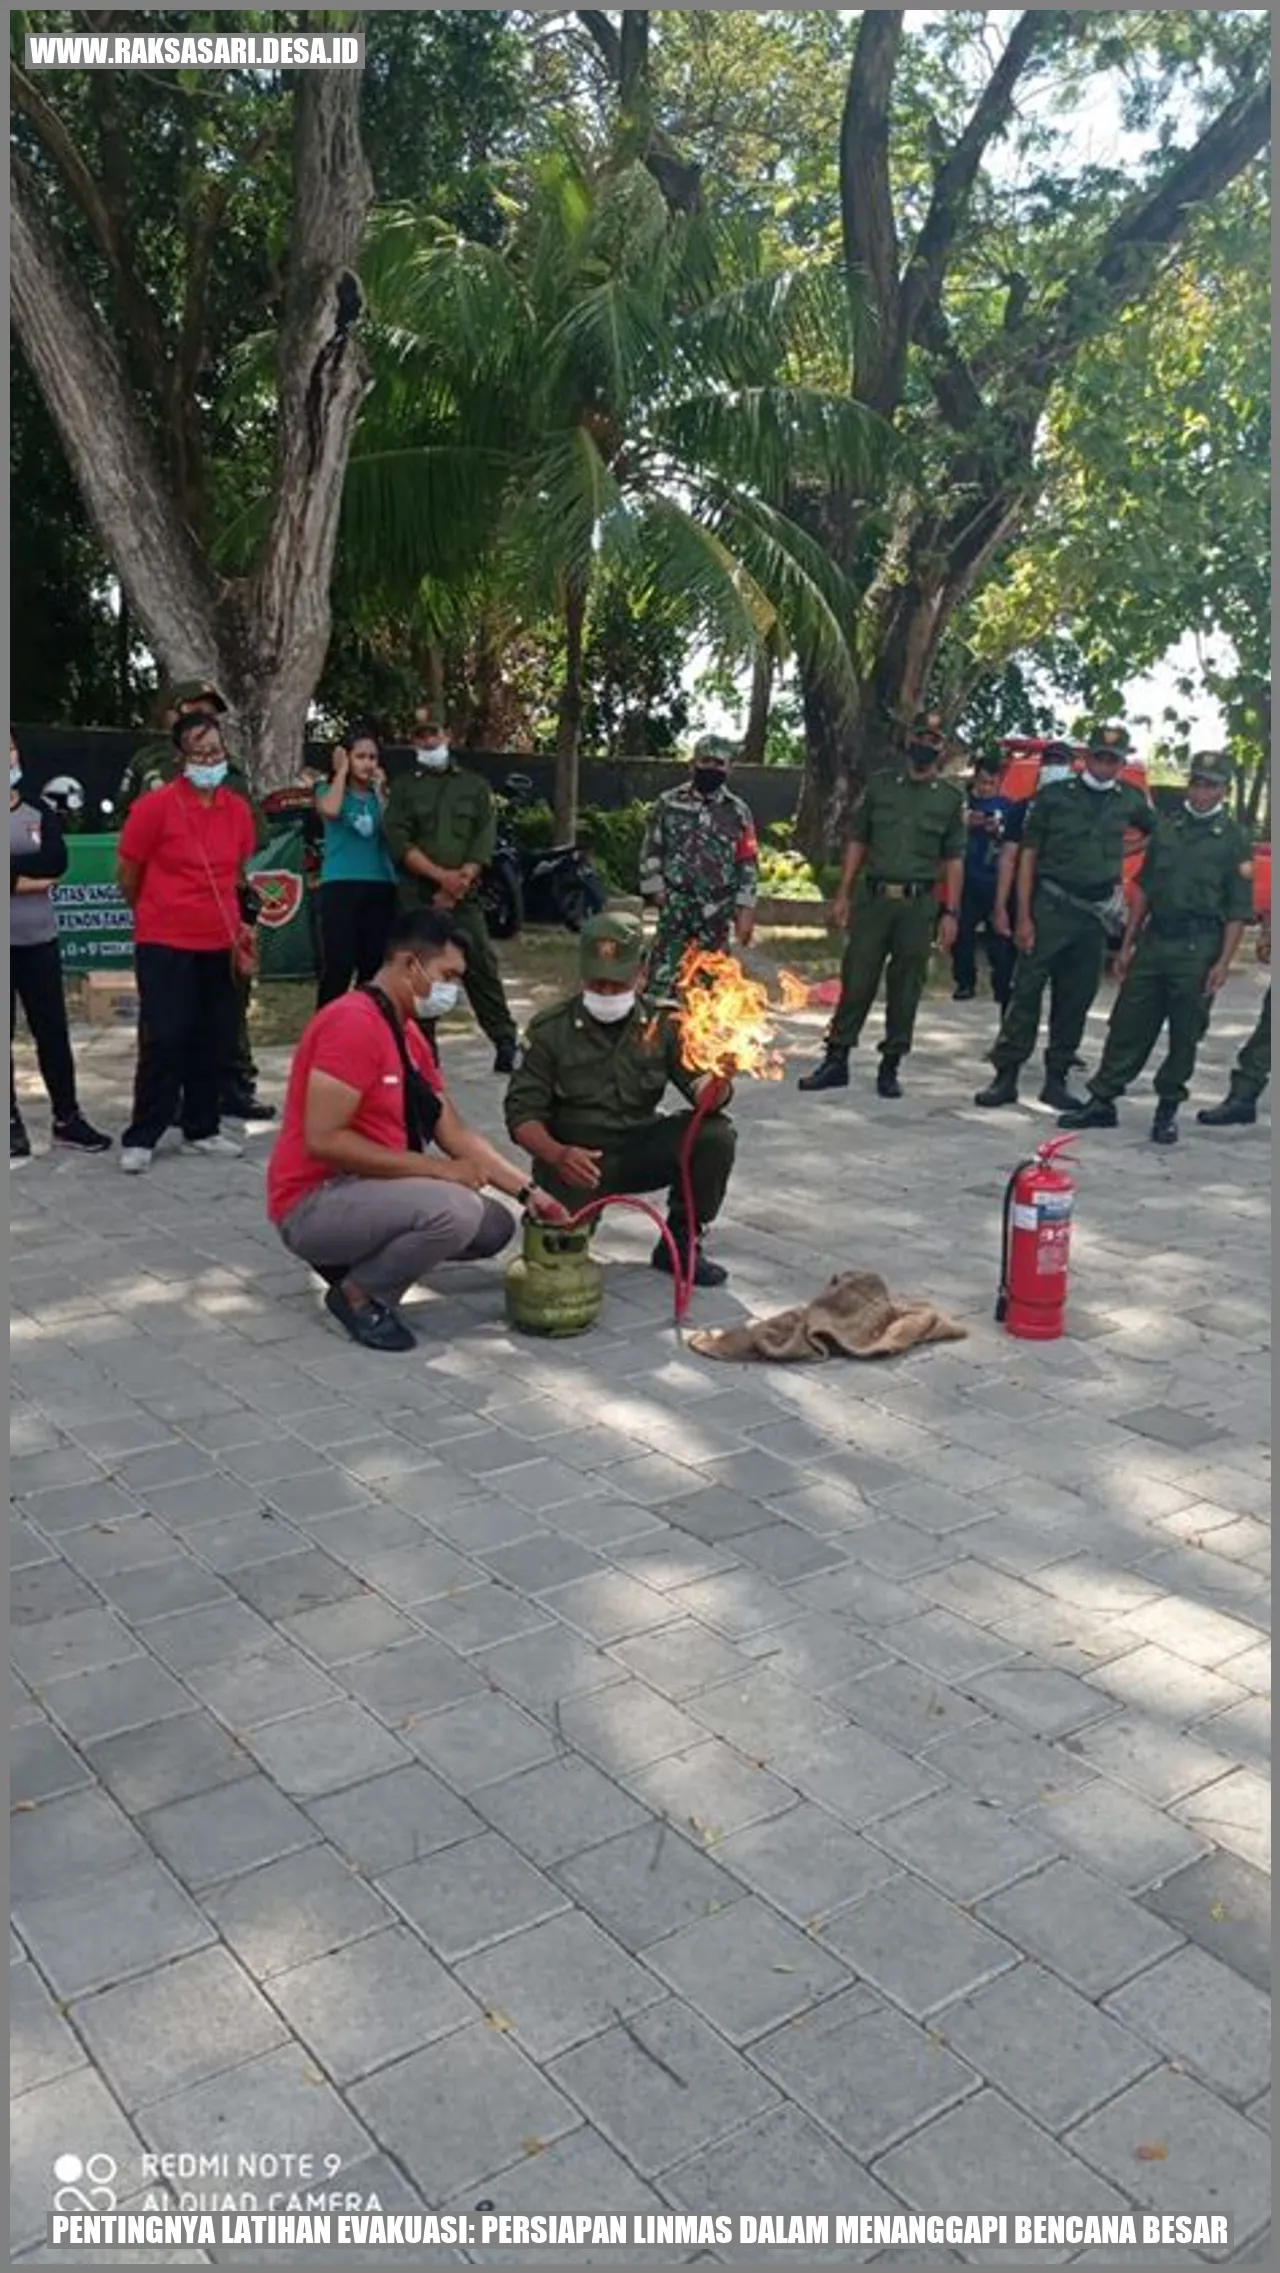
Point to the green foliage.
(613, 840)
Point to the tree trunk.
(262, 638)
(569, 717)
(756, 736)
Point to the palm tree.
(613, 385)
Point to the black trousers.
(977, 915)
(35, 978)
(188, 1008)
(354, 920)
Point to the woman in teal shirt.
(357, 881)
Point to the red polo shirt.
(190, 854)
(351, 1040)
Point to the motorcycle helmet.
(63, 795)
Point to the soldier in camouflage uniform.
(699, 865)
(584, 1103)
(155, 762)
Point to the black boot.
(1164, 1128)
(887, 1082)
(1057, 1094)
(1090, 1113)
(1002, 1089)
(506, 1058)
(832, 1073)
(19, 1141)
(1232, 1113)
(705, 1272)
(963, 994)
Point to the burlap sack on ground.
(854, 1316)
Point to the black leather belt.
(883, 891)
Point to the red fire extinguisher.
(1039, 1199)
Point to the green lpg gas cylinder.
(555, 1286)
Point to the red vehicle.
(1021, 772)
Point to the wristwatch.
(524, 1195)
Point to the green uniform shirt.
(1078, 834)
(1197, 869)
(587, 1082)
(908, 827)
(448, 816)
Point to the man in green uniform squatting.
(440, 827)
(1070, 872)
(908, 832)
(584, 1103)
(154, 763)
(699, 865)
(1252, 1069)
(1187, 920)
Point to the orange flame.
(725, 1019)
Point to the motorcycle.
(554, 885)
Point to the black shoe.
(373, 1325)
(832, 1073)
(245, 1105)
(705, 1272)
(1002, 1090)
(1090, 1113)
(1057, 1094)
(963, 994)
(887, 1082)
(19, 1141)
(1164, 1128)
(80, 1135)
(506, 1058)
(1232, 1113)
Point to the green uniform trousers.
(646, 1159)
(898, 933)
(1165, 986)
(1067, 958)
(483, 981)
(242, 1073)
(1252, 1069)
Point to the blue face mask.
(15, 774)
(440, 999)
(208, 777)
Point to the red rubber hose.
(682, 1267)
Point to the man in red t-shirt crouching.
(375, 1178)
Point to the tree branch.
(91, 402)
(1131, 248)
(866, 201)
(596, 22)
(953, 183)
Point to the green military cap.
(610, 947)
(1211, 765)
(198, 690)
(1109, 741)
(714, 749)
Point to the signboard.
(95, 926)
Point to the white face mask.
(15, 773)
(435, 759)
(1200, 812)
(441, 998)
(1050, 774)
(609, 1009)
(1091, 781)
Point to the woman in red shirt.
(375, 1178)
(181, 864)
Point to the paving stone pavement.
(582, 1775)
